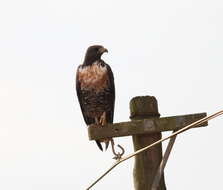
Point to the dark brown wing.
(87, 120)
(111, 95)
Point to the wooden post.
(146, 163)
(145, 128)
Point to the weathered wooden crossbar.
(144, 126)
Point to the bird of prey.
(96, 90)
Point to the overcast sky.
(169, 49)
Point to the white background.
(171, 49)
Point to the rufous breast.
(93, 76)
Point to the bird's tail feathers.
(99, 145)
(106, 141)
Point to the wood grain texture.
(144, 126)
(146, 163)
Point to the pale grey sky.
(168, 49)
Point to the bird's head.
(93, 54)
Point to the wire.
(155, 143)
(118, 155)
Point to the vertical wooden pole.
(146, 163)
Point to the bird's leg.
(103, 121)
(96, 121)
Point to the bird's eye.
(96, 50)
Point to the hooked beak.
(102, 50)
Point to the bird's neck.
(90, 61)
